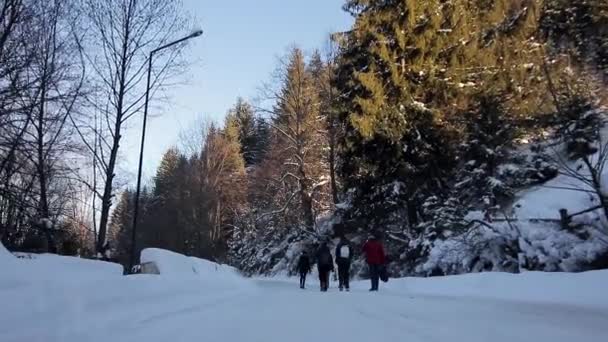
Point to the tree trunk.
(597, 185)
(306, 200)
(106, 201)
(332, 133)
(332, 160)
(412, 213)
(218, 221)
(41, 167)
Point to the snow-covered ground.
(194, 300)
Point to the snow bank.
(72, 266)
(541, 246)
(563, 191)
(545, 201)
(586, 289)
(536, 234)
(4, 253)
(51, 269)
(7, 266)
(176, 265)
(79, 294)
(7, 260)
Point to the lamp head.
(196, 33)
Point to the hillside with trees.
(426, 122)
(468, 133)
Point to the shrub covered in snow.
(499, 211)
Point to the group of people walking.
(374, 255)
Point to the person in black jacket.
(325, 264)
(344, 256)
(303, 268)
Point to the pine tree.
(245, 120)
(262, 138)
(323, 75)
(578, 27)
(121, 227)
(165, 181)
(167, 231)
(510, 57)
(121, 224)
(316, 67)
(391, 75)
(407, 72)
(489, 137)
(223, 175)
(298, 141)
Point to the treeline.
(264, 169)
(435, 100)
(407, 122)
(403, 126)
(72, 75)
(198, 193)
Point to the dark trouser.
(344, 274)
(302, 279)
(324, 277)
(374, 275)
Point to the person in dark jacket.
(375, 257)
(344, 257)
(303, 268)
(325, 264)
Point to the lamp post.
(143, 137)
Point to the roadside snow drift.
(171, 263)
(587, 289)
(210, 274)
(4, 253)
(50, 269)
(72, 300)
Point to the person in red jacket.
(374, 255)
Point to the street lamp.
(194, 34)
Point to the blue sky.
(238, 51)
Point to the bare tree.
(13, 64)
(19, 80)
(16, 55)
(122, 33)
(582, 125)
(58, 76)
(586, 169)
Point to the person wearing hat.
(375, 257)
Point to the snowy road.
(266, 311)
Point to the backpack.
(383, 273)
(325, 259)
(345, 251)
